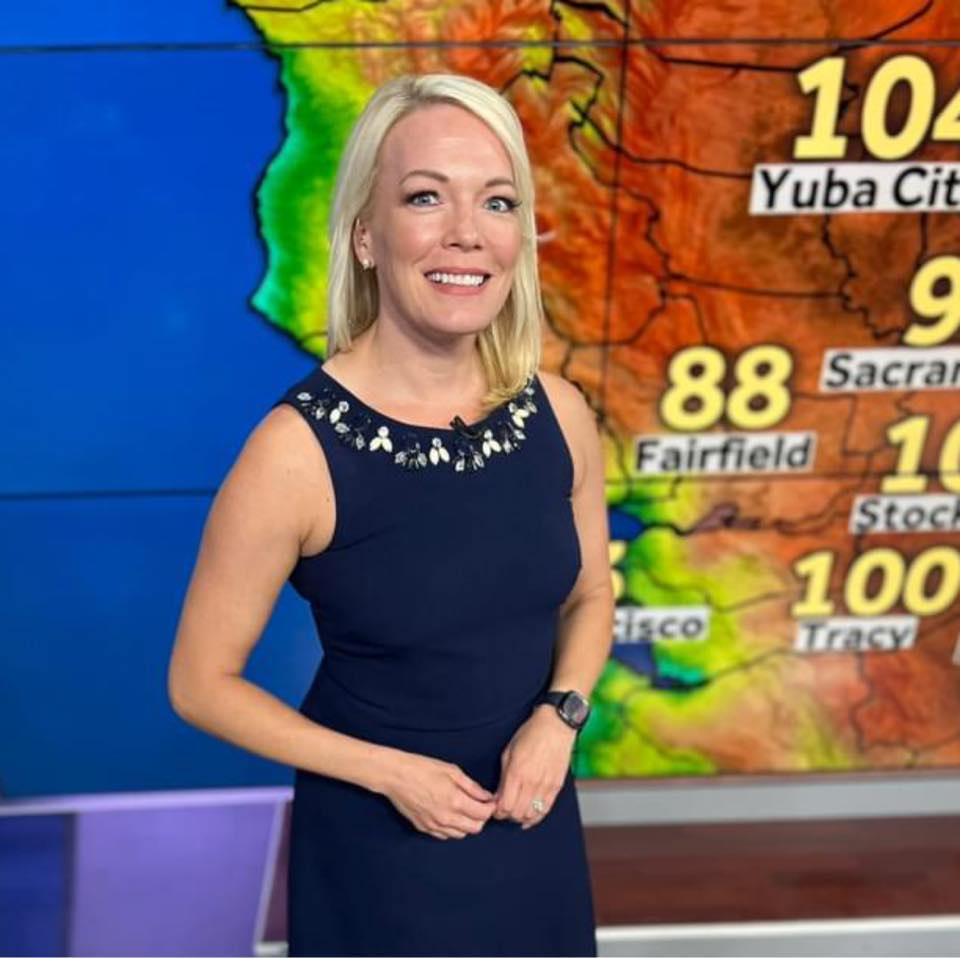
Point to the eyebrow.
(433, 174)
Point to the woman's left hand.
(534, 763)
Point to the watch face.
(577, 708)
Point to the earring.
(366, 263)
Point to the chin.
(450, 326)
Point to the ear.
(361, 241)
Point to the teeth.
(458, 279)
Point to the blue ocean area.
(643, 657)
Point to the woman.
(440, 504)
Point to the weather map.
(750, 259)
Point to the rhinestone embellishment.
(502, 433)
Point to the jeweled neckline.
(415, 447)
(413, 427)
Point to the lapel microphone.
(464, 430)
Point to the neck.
(425, 374)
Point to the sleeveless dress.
(436, 607)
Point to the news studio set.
(654, 652)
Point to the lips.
(433, 276)
(457, 271)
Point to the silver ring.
(538, 805)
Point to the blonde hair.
(510, 346)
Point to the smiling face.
(443, 232)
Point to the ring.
(538, 805)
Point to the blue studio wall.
(133, 368)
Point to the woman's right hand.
(438, 797)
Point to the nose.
(463, 230)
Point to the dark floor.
(775, 870)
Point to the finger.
(468, 814)
(524, 806)
(542, 791)
(455, 833)
(470, 826)
(509, 789)
(537, 817)
(447, 830)
(475, 811)
(426, 830)
(504, 809)
(501, 793)
(461, 803)
(472, 788)
(520, 809)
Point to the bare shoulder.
(577, 420)
(281, 442)
(561, 390)
(284, 446)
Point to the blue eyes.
(413, 196)
(508, 204)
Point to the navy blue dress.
(436, 607)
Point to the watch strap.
(555, 698)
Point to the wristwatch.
(571, 706)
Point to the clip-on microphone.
(464, 430)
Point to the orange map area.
(644, 123)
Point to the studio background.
(168, 171)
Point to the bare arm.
(262, 514)
(585, 627)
